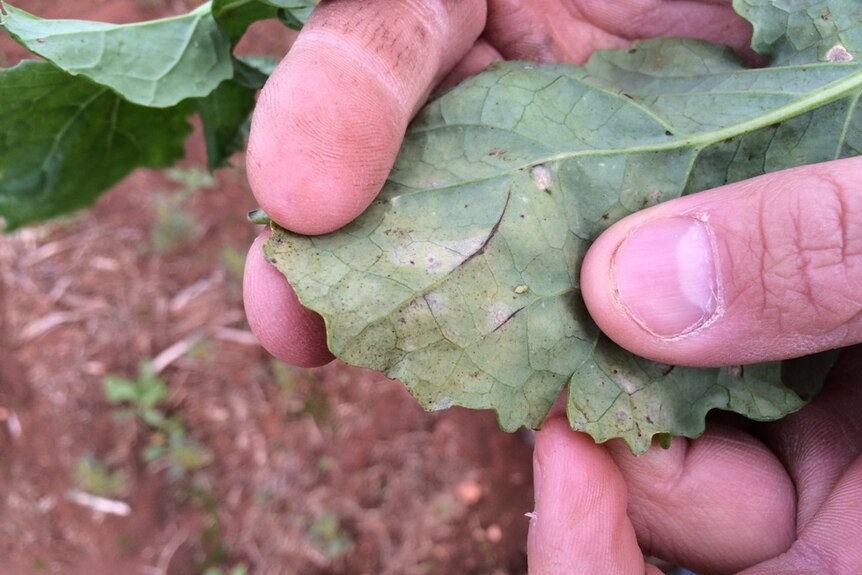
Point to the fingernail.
(666, 277)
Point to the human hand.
(785, 256)
(782, 498)
(765, 269)
(315, 161)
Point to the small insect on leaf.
(542, 177)
(838, 53)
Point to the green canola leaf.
(66, 139)
(225, 117)
(461, 279)
(157, 63)
(804, 31)
(181, 64)
(226, 113)
(235, 16)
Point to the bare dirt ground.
(267, 469)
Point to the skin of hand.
(778, 498)
(770, 268)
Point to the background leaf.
(461, 279)
(181, 64)
(803, 31)
(156, 63)
(66, 139)
(226, 113)
(235, 16)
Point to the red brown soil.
(326, 471)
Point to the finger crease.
(371, 63)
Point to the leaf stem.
(259, 217)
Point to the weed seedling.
(143, 399)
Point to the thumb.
(763, 269)
(331, 118)
(580, 523)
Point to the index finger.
(331, 118)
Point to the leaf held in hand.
(504, 182)
(805, 31)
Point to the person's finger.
(579, 524)
(817, 443)
(717, 504)
(283, 326)
(830, 543)
(330, 120)
(477, 59)
(554, 31)
(763, 269)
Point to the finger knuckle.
(395, 38)
(813, 253)
(812, 559)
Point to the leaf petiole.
(259, 217)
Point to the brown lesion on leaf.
(494, 230)
(508, 319)
(500, 154)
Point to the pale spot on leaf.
(838, 53)
(542, 176)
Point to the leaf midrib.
(812, 100)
